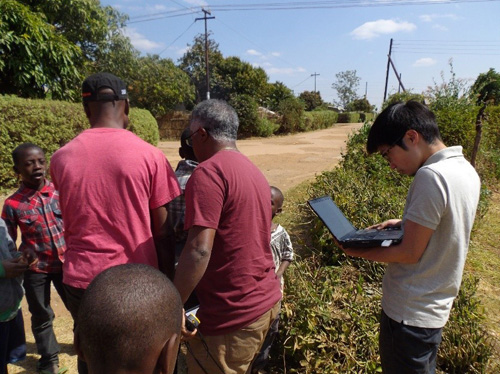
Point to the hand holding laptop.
(390, 223)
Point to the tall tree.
(159, 86)
(34, 56)
(311, 99)
(276, 93)
(193, 63)
(346, 85)
(486, 88)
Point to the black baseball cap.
(96, 82)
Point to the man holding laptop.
(425, 269)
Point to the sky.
(304, 44)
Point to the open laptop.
(345, 233)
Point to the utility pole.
(314, 75)
(366, 89)
(206, 48)
(387, 72)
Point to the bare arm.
(410, 250)
(164, 241)
(283, 266)
(193, 260)
(14, 267)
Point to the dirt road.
(286, 162)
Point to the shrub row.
(51, 124)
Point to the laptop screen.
(332, 217)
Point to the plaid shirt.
(38, 215)
(177, 206)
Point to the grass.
(483, 259)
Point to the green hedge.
(349, 117)
(51, 124)
(317, 120)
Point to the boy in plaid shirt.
(34, 207)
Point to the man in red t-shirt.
(227, 257)
(113, 189)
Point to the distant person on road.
(424, 271)
(113, 189)
(34, 208)
(12, 267)
(227, 256)
(282, 250)
(129, 322)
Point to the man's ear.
(279, 210)
(168, 355)
(16, 170)
(76, 344)
(127, 107)
(413, 136)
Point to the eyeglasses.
(189, 140)
(385, 154)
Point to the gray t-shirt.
(443, 197)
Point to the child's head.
(186, 150)
(276, 200)
(129, 320)
(29, 163)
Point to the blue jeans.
(407, 349)
(37, 287)
(12, 342)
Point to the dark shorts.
(407, 349)
(12, 341)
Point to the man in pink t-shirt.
(227, 256)
(113, 190)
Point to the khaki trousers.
(233, 352)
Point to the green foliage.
(265, 127)
(486, 88)
(403, 97)
(144, 125)
(349, 117)
(34, 55)
(331, 321)
(159, 86)
(360, 105)
(292, 115)
(311, 100)
(455, 113)
(236, 77)
(466, 346)
(276, 93)
(488, 162)
(51, 124)
(346, 85)
(246, 107)
(320, 119)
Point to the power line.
(299, 5)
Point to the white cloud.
(374, 29)
(140, 42)
(432, 17)
(286, 71)
(253, 52)
(197, 2)
(440, 27)
(275, 54)
(424, 62)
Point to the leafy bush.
(317, 120)
(265, 127)
(51, 124)
(292, 115)
(466, 346)
(247, 109)
(348, 117)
